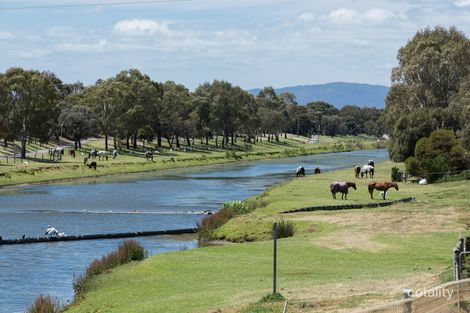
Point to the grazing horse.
(115, 153)
(102, 154)
(149, 155)
(92, 165)
(93, 153)
(341, 187)
(357, 170)
(72, 153)
(300, 171)
(317, 170)
(382, 186)
(367, 169)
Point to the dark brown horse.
(382, 186)
(357, 170)
(317, 170)
(341, 187)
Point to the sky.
(250, 43)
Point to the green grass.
(41, 169)
(336, 260)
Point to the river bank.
(336, 261)
(126, 203)
(41, 170)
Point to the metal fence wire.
(453, 297)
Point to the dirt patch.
(345, 297)
(363, 225)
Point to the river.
(124, 203)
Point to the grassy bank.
(39, 167)
(336, 261)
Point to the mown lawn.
(337, 260)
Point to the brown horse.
(341, 187)
(382, 186)
(317, 170)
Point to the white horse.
(367, 169)
(115, 153)
(102, 154)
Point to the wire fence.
(453, 297)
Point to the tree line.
(431, 91)
(131, 106)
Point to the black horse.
(300, 171)
(92, 165)
(149, 155)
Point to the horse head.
(395, 185)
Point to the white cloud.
(462, 3)
(347, 16)
(306, 16)
(83, 47)
(138, 27)
(6, 35)
(343, 15)
(377, 15)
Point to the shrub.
(211, 222)
(396, 174)
(240, 207)
(413, 166)
(128, 251)
(435, 167)
(44, 304)
(285, 229)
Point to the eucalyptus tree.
(202, 100)
(430, 69)
(78, 122)
(139, 97)
(175, 101)
(107, 99)
(31, 96)
(269, 110)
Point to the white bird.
(61, 234)
(383, 195)
(51, 231)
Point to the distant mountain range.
(338, 94)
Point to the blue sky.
(251, 43)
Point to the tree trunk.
(79, 143)
(115, 142)
(177, 142)
(5, 143)
(207, 140)
(127, 142)
(76, 143)
(232, 139)
(188, 141)
(134, 140)
(159, 137)
(170, 143)
(23, 147)
(106, 141)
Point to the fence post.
(407, 295)
(275, 256)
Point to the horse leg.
(385, 193)
(333, 194)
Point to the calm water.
(137, 202)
